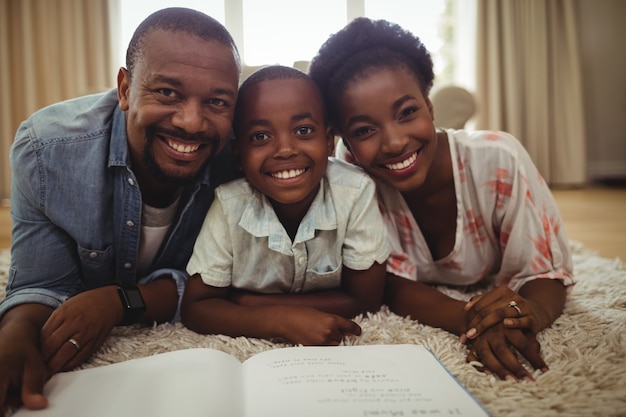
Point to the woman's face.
(388, 125)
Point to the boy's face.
(283, 141)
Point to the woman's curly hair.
(365, 45)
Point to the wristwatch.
(132, 302)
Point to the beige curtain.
(529, 82)
(51, 50)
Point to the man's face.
(179, 105)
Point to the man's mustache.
(183, 136)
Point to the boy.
(299, 245)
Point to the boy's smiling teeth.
(403, 164)
(291, 173)
(183, 148)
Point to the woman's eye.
(362, 131)
(407, 112)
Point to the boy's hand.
(309, 326)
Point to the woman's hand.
(502, 305)
(495, 350)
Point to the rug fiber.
(585, 348)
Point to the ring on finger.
(514, 305)
(74, 342)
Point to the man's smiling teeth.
(285, 175)
(183, 148)
(401, 165)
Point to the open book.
(364, 381)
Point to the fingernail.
(510, 378)
(463, 339)
(471, 333)
(528, 378)
(508, 322)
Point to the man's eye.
(304, 130)
(218, 102)
(167, 92)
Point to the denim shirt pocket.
(97, 266)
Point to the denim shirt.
(76, 205)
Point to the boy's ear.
(234, 146)
(330, 140)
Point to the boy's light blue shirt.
(76, 205)
(242, 243)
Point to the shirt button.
(130, 223)
(93, 255)
(128, 265)
(131, 181)
(301, 261)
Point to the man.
(109, 192)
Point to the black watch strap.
(132, 302)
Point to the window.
(133, 12)
(286, 31)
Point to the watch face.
(134, 298)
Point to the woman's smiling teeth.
(403, 164)
(287, 174)
(183, 148)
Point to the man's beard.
(169, 178)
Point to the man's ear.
(123, 88)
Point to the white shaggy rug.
(585, 348)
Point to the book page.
(190, 383)
(351, 381)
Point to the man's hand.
(78, 328)
(22, 368)
(309, 326)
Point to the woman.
(462, 208)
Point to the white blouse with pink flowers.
(508, 224)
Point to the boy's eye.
(259, 137)
(362, 131)
(304, 130)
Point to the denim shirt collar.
(119, 154)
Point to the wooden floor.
(594, 216)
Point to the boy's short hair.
(273, 73)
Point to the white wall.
(602, 37)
